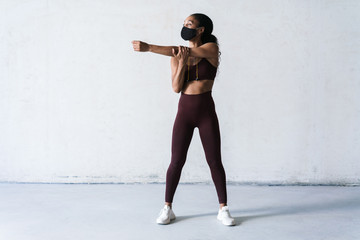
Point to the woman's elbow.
(176, 89)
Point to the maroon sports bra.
(204, 70)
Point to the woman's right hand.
(140, 46)
(181, 54)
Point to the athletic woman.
(193, 72)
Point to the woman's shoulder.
(210, 45)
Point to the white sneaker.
(225, 217)
(166, 214)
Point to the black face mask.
(188, 33)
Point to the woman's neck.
(196, 43)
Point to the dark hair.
(205, 21)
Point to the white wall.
(77, 104)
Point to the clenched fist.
(140, 46)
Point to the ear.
(202, 29)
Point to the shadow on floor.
(325, 206)
(281, 210)
(214, 214)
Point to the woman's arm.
(207, 50)
(178, 66)
(178, 78)
(164, 50)
(145, 47)
(174, 63)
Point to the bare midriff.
(197, 87)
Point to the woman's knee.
(177, 164)
(215, 165)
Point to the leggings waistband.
(194, 95)
(196, 102)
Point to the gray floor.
(128, 211)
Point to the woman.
(193, 72)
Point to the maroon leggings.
(196, 111)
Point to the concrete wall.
(77, 104)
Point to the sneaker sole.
(164, 223)
(161, 223)
(231, 224)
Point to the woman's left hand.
(181, 54)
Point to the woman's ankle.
(222, 205)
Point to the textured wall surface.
(77, 104)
